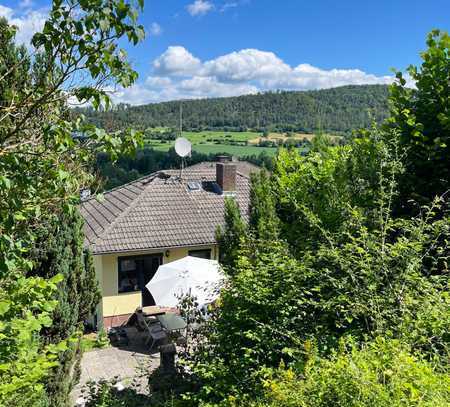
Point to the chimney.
(226, 176)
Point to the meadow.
(235, 143)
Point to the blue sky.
(209, 48)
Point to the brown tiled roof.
(159, 211)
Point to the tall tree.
(229, 237)
(58, 250)
(263, 219)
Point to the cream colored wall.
(106, 267)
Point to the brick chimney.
(226, 176)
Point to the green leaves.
(420, 116)
(381, 373)
(340, 267)
(4, 307)
(45, 155)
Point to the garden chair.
(154, 331)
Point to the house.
(154, 220)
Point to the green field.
(214, 142)
(238, 151)
(204, 136)
(230, 142)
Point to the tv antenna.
(181, 119)
(183, 149)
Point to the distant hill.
(337, 110)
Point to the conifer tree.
(230, 237)
(263, 220)
(59, 250)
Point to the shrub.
(382, 373)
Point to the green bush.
(382, 373)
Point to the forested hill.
(336, 110)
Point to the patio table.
(152, 311)
(172, 322)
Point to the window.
(203, 254)
(135, 272)
(128, 276)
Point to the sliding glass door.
(135, 272)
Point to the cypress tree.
(59, 250)
(230, 237)
(263, 220)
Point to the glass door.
(149, 266)
(135, 272)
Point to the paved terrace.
(130, 364)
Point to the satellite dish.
(182, 147)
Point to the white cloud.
(136, 94)
(246, 65)
(155, 29)
(305, 76)
(176, 61)
(199, 7)
(27, 23)
(177, 74)
(158, 81)
(6, 12)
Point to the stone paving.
(128, 363)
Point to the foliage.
(364, 276)
(333, 285)
(102, 339)
(422, 118)
(58, 250)
(318, 192)
(338, 110)
(230, 236)
(263, 220)
(94, 341)
(109, 394)
(43, 161)
(24, 362)
(380, 374)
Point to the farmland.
(234, 143)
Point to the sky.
(216, 48)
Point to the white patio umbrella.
(198, 277)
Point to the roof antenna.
(182, 146)
(181, 119)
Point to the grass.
(94, 341)
(238, 151)
(203, 136)
(214, 142)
